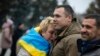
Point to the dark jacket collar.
(87, 46)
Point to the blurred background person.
(7, 32)
(18, 32)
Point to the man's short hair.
(68, 9)
(94, 16)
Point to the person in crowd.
(18, 32)
(90, 44)
(7, 32)
(37, 41)
(68, 31)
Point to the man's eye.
(56, 15)
(88, 27)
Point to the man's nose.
(83, 29)
(55, 19)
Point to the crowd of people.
(10, 34)
(60, 35)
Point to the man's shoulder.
(72, 37)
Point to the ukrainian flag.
(34, 43)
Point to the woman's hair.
(45, 23)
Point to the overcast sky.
(80, 6)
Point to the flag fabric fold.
(34, 43)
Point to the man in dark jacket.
(90, 31)
(18, 32)
(68, 31)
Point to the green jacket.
(67, 40)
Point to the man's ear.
(70, 17)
